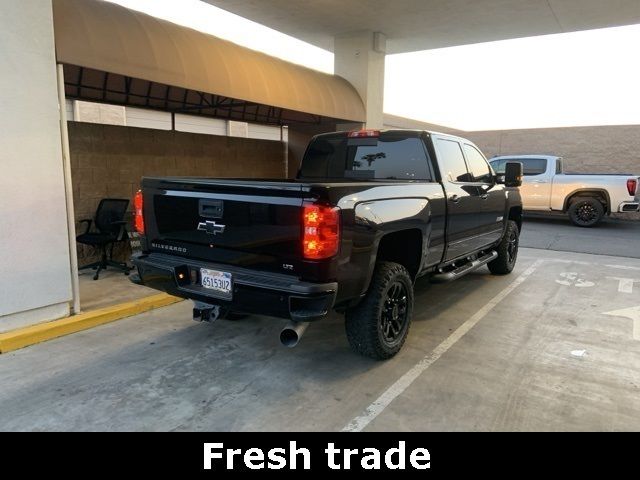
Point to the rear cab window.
(391, 156)
(531, 166)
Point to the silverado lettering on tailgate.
(169, 248)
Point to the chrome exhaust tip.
(292, 333)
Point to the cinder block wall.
(600, 149)
(109, 161)
(605, 149)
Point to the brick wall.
(108, 161)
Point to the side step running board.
(464, 269)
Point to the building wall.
(298, 142)
(600, 149)
(606, 149)
(299, 138)
(393, 121)
(35, 276)
(128, 116)
(109, 161)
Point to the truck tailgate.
(244, 223)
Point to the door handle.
(485, 196)
(454, 198)
(539, 181)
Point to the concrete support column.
(35, 277)
(359, 58)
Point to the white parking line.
(623, 267)
(395, 390)
(632, 313)
(577, 262)
(625, 285)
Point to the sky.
(572, 79)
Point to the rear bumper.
(633, 206)
(256, 292)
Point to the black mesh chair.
(110, 229)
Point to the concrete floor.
(532, 352)
(111, 288)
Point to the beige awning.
(107, 37)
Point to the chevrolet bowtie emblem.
(212, 228)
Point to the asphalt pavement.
(611, 237)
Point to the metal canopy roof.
(139, 51)
(412, 25)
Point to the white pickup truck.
(585, 198)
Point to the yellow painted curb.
(23, 337)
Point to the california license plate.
(215, 280)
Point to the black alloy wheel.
(393, 318)
(586, 212)
(512, 246)
(378, 326)
(507, 251)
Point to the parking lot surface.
(555, 232)
(554, 346)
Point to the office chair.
(111, 229)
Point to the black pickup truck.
(369, 212)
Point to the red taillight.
(364, 134)
(321, 235)
(632, 186)
(138, 217)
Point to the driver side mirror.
(513, 174)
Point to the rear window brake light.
(364, 134)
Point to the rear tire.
(586, 212)
(507, 251)
(378, 326)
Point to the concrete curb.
(23, 337)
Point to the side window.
(558, 166)
(534, 166)
(498, 166)
(452, 165)
(478, 165)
